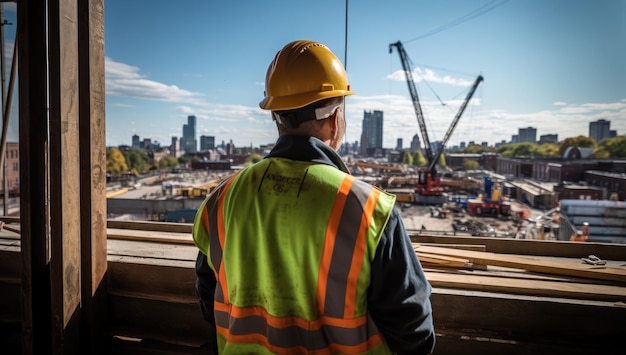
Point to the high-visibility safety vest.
(291, 244)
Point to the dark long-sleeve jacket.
(398, 296)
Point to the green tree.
(418, 159)
(615, 147)
(579, 141)
(470, 164)
(407, 158)
(253, 158)
(168, 162)
(442, 160)
(547, 150)
(137, 159)
(184, 160)
(476, 149)
(116, 163)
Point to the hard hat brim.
(305, 99)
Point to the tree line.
(611, 148)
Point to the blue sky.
(554, 65)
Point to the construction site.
(79, 275)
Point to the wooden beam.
(527, 287)
(33, 132)
(92, 144)
(535, 247)
(532, 264)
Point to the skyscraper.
(527, 135)
(600, 129)
(399, 143)
(135, 142)
(207, 143)
(415, 143)
(373, 129)
(188, 141)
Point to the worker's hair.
(303, 116)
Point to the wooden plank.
(532, 264)
(151, 226)
(33, 108)
(93, 212)
(64, 173)
(564, 249)
(150, 236)
(476, 247)
(527, 287)
(440, 260)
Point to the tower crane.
(428, 189)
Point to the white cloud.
(127, 81)
(430, 76)
(477, 123)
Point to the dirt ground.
(419, 218)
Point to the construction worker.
(298, 256)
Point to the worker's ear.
(334, 122)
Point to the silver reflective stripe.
(294, 336)
(343, 251)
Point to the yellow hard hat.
(302, 73)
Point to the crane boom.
(431, 166)
(408, 72)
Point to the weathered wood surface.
(571, 268)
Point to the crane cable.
(471, 15)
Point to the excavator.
(428, 189)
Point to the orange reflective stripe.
(359, 252)
(284, 322)
(260, 339)
(287, 335)
(222, 284)
(329, 242)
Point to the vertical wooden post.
(65, 184)
(31, 29)
(62, 176)
(92, 173)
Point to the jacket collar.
(305, 148)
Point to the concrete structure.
(605, 218)
(549, 138)
(136, 142)
(600, 129)
(415, 144)
(175, 147)
(527, 135)
(12, 167)
(373, 129)
(207, 143)
(188, 141)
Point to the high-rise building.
(549, 138)
(373, 129)
(207, 143)
(175, 148)
(527, 135)
(135, 143)
(188, 141)
(399, 144)
(600, 129)
(415, 144)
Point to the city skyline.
(373, 122)
(554, 65)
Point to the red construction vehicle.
(428, 189)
